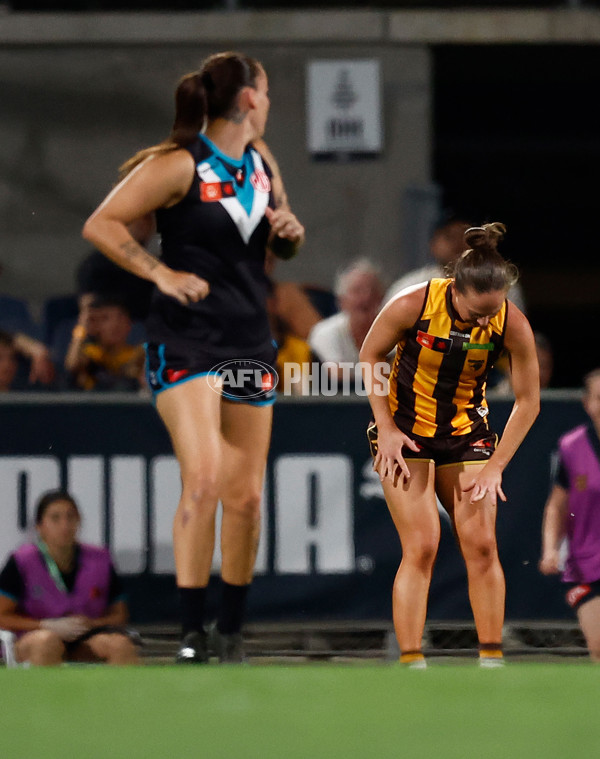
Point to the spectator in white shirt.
(337, 340)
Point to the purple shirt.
(43, 598)
(580, 462)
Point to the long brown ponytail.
(207, 94)
(481, 267)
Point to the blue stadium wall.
(328, 549)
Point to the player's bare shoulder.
(168, 175)
(518, 329)
(406, 306)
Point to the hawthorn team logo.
(475, 364)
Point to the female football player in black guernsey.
(431, 434)
(218, 207)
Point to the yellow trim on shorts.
(460, 463)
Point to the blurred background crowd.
(477, 124)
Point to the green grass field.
(309, 711)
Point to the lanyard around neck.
(51, 566)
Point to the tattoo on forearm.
(281, 199)
(136, 254)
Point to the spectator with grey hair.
(337, 340)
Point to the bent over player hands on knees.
(389, 462)
(430, 435)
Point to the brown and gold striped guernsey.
(437, 383)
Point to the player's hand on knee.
(389, 461)
(487, 482)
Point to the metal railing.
(375, 641)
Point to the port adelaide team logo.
(244, 379)
(260, 181)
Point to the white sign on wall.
(344, 107)
(313, 509)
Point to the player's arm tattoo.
(278, 188)
(138, 257)
(281, 198)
